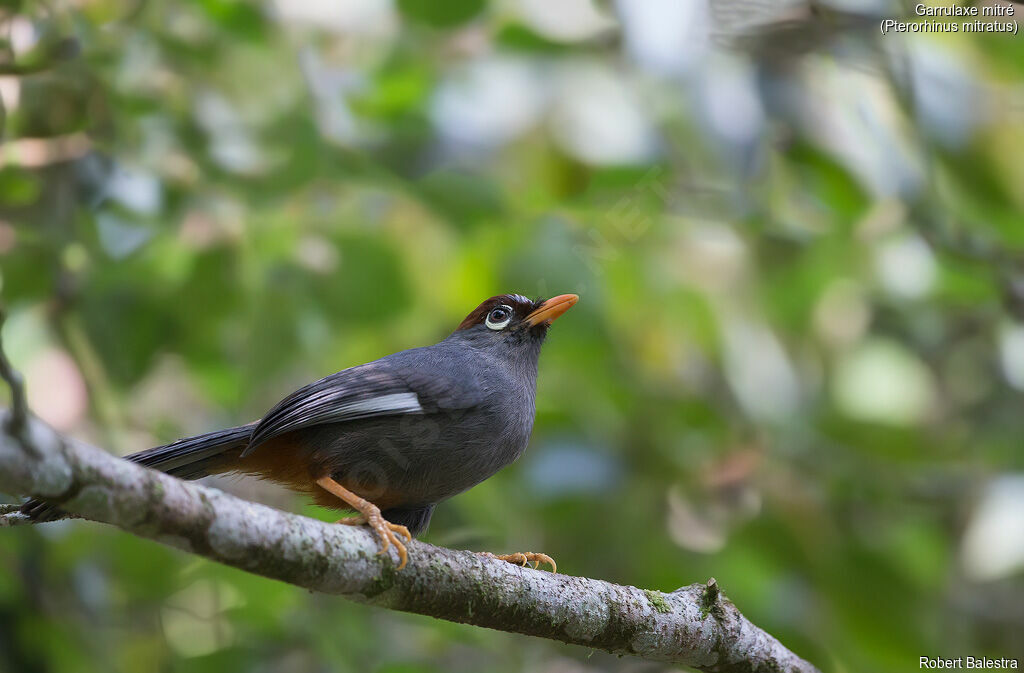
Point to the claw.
(523, 559)
(386, 531)
(370, 514)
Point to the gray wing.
(400, 384)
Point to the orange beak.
(551, 309)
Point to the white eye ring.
(504, 323)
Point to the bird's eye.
(499, 317)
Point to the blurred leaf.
(835, 188)
(370, 284)
(127, 327)
(464, 198)
(441, 14)
(17, 187)
(240, 18)
(518, 36)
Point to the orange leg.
(521, 558)
(370, 514)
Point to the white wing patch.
(381, 405)
(396, 403)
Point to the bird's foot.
(388, 532)
(370, 515)
(523, 558)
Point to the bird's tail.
(189, 458)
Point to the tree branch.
(17, 418)
(694, 626)
(10, 516)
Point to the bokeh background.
(797, 364)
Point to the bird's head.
(514, 318)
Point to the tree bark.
(695, 625)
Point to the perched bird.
(392, 438)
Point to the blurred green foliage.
(797, 365)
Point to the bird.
(392, 438)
